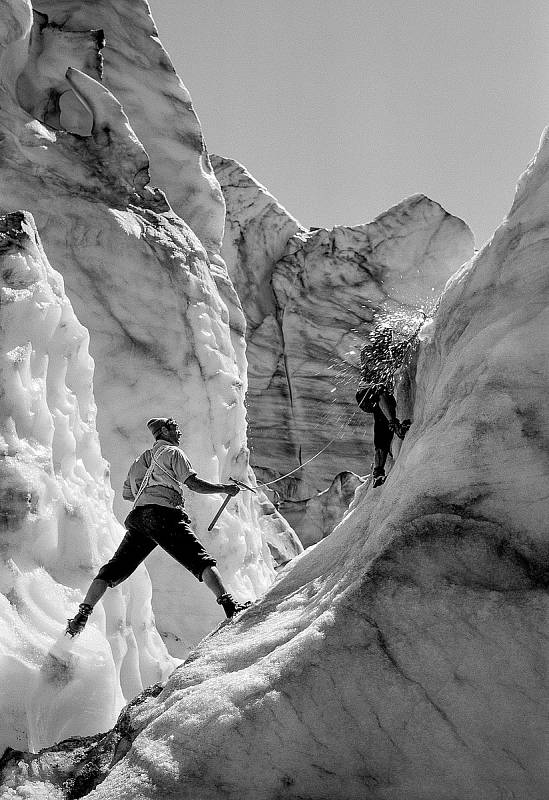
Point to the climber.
(154, 483)
(379, 360)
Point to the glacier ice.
(403, 656)
(166, 327)
(310, 298)
(57, 519)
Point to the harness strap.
(149, 472)
(164, 470)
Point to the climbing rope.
(287, 475)
(312, 458)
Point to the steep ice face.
(138, 71)
(57, 523)
(166, 327)
(404, 655)
(309, 300)
(257, 231)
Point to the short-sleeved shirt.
(164, 487)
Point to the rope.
(149, 472)
(262, 485)
(287, 475)
(326, 446)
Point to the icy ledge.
(57, 520)
(404, 656)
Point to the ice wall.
(309, 298)
(137, 70)
(166, 327)
(56, 520)
(404, 656)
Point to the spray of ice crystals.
(391, 338)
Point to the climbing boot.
(405, 427)
(230, 606)
(378, 477)
(77, 624)
(398, 427)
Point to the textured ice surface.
(166, 327)
(309, 299)
(56, 518)
(138, 71)
(405, 655)
(317, 517)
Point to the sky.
(342, 108)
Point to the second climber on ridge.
(154, 484)
(379, 359)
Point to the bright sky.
(341, 108)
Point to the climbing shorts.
(149, 526)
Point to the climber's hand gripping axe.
(226, 501)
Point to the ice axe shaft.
(226, 500)
(222, 508)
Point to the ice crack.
(382, 641)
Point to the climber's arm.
(196, 484)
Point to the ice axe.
(225, 502)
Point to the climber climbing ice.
(154, 484)
(379, 360)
